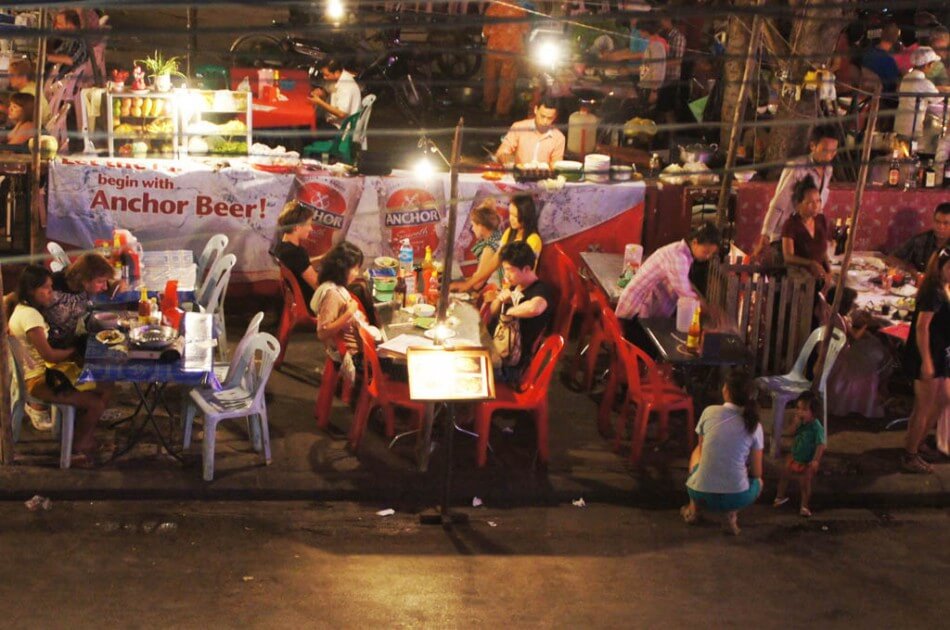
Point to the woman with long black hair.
(726, 466)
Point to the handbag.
(506, 340)
(63, 377)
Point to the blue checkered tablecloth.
(106, 365)
(184, 297)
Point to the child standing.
(807, 449)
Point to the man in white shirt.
(915, 108)
(345, 99)
(823, 146)
(534, 140)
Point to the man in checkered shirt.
(663, 279)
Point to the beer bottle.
(695, 330)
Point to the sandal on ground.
(83, 461)
(915, 465)
(779, 502)
(690, 517)
(805, 512)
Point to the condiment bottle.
(695, 330)
(894, 172)
(399, 294)
(145, 307)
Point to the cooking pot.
(697, 153)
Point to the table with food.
(884, 290)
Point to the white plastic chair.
(64, 416)
(60, 260)
(242, 401)
(362, 123)
(787, 387)
(213, 250)
(211, 298)
(224, 370)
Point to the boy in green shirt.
(807, 449)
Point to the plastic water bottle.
(405, 257)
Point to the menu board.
(450, 374)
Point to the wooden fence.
(773, 309)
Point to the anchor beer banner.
(179, 205)
(169, 205)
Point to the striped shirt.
(659, 283)
(676, 42)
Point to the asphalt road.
(285, 565)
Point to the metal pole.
(453, 219)
(191, 22)
(36, 208)
(849, 247)
(737, 116)
(6, 427)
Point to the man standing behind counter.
(534, 139)
(823, 146)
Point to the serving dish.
(153, 337)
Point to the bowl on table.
(104, 320)
(384, 285)
(572, 171)
(423, 310)
(153, 337)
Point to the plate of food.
(493, 176)
(905, 291)
(110, 337)
(426, 323)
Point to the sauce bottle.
(145, 307)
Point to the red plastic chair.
(653, 394)
(379, 390)
(294, 312)
(328, 386)
(572, 298)
(532, 395)
(591, 337)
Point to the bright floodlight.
(548, 53)
(424, 169)
(335, 10)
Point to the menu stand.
(449, 375)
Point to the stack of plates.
(597, 168)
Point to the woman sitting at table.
(730, 435)
(805, 235)
(34, 293)
(485, 222)
(73, 291)
(927, 358)
(294, 226)
(338, 311)
(21, 115)
(523, 226)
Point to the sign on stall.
(169, 205)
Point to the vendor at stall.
(535, 139)
(20, 114)
(919, 249)
(21, 80)
(823, 146)
(345, 96)
(805, 234)
(662, 280)
(916, 110)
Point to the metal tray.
(153, 337)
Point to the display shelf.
(220, 120)
(128, 124)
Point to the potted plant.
(161, 70)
